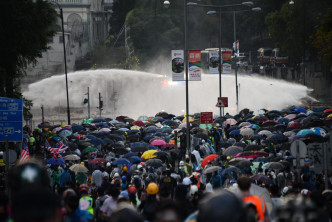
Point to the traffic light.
(85, 101)
(101, 104)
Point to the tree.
(25, 28)
(322, 39)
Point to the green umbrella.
(87, 121)
(89, 149)
(254, 166)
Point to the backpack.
(99, 217)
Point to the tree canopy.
(25, 28)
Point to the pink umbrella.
(291, 116)
(158, 143)
(230, 121)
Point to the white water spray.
(134, 93)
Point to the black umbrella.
(202, 136)
(115, 137)
(240, 144)
(120, 151)
(139, 149)
(275, 165)
(133, 138)
(154, 163)
(252, 147)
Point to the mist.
(135, 93)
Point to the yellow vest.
(86, 204)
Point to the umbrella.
(158, 142)
(269, 123)
(246, 131)
(72, 157)
(162, 155)
(232, 151)
(265, 133)
(245, 124)
(275, 165)
(291, 116)
(120, 150)
(211, 169)
(87, 121)
(202, 136)
(138, 123)
(257, 191)
(154, 163)
(235, 132)
(230, 121)
(229, 170)
(300, 110)
(78, 168)
(289, 133)
(247, 155)
(149, 154)
(139, 149)
(55, 162)
(243, 163)
(262, 178)
(261, 159)
(261, 153)
(233, 128)
(253, 126)
(277, 138)
(135, 159)
(97, 161)
(89, 150)
(252, 147)
(65, 133)
(260, 118)
(285, 163)
(319, 131)
(105, 130)
(120, 161)
(304, 132)
(208, 159)
(131, 154)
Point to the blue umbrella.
(300, 110)
(97, 142)
(283, 120)
(77, 127)
(65, 133)
(124, 129)
(98, 120)
(160, 134)
(153, 130)
(103, 125)
(235, 132)
(261, 159)
(136, 144)
(319, 131)
(148, 138)
(90, 136)
(135, 159)
(233, 128)
(56, 162)
(120, 161)
(256, 137)
(151, 147)
(131, 154)
(277, 138)
(130, 132)
(229, 170)
(304, 132)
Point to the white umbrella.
(78, 168)
(256, 191)
(245, 124)
(71, 157)
(265, 132)
(246, 132)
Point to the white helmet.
(181, 163)
(116, 175)
(139, 166)
(108, 164)
(193, 189)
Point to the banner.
(226, 62)
(177, 65)
(194, 65)
(238, 47)
(213, 62)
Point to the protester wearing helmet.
(149, 205)
(86, 202)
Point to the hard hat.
(152, 189)
(116, 175)
(139, 167)
(108, 164)
(228, 157)
(132, 190)
(124, 178)
(1, 153)
(186, 181)
(82, 163)
(84, 187)
(181, 163)
(31, 134)
(193, 189)
(125, 168)
(305, 192)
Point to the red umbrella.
(261, 153)
(269, 123)
(247, 155)
(294, 124)
(209, 159)
(97, 161)
(327, 111)
(138, 123)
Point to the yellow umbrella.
(135, 128)
(190, 119)
(149, 154)
(329, 116)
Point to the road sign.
(317, 155)
(12, 156)
(206, 117)
(11, 119)
(301, 152)
(222, 102)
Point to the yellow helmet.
(125, 168)
(152, 189)
(82, 163)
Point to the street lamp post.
(65, 58)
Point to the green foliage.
(322, 39)
(25, 28)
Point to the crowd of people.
(240, 168)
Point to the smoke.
(135, 93)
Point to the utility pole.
(42, 108)
(100, 105)
(88, 103)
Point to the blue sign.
(11, 119)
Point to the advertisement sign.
(213, 62)
(194, 65)
(177, 65)
(226, 62)
(237, 46)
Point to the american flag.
(25, 155)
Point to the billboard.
(226, 62)
(213, 62)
